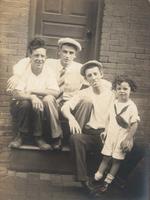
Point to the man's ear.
(30, 55)
(102, 74)
(58, 52)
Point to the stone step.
(34, 160)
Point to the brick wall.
(13, 33)
(125, 48)
(13, 41)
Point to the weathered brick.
(126, 30)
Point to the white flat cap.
(90, 63)
(66, 40)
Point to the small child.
(119, 133)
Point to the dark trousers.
(88, 141)
(29, 120)
(80, 145)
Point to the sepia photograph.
(74, 99)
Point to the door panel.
(67, 18)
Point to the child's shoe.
(104, 187)
(101, 189)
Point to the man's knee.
(84, 107)
(25, 104)
(49, 99)
(76, 139)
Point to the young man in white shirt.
(86, 127)
(35, 99)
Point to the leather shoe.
(57, 145)
(16, 143)
(102, 189)
(43, 145)
(96, 185)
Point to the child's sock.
(109, 178)
(98, 175)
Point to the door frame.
(98, 31)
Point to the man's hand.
(127, 144)
(12, 82)
(37, 103)
(74, 126)
(103, 136)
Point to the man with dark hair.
(35, 95)
(87, 127)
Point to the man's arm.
(12, 83)
(46, 92)
(73, 124)
(18, 70)
(22, 95)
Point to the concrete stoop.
(29, 158)
(32, 159)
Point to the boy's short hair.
(124, 78)
(36, 43)
(91, 64)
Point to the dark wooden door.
(67, 18)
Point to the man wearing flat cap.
(68, 49)
(87, 127)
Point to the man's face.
(93, 76)
(67, 54)
(123, 91)
(38, 58)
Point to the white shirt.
(40, 82)
(73, 80)
(101, 104)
